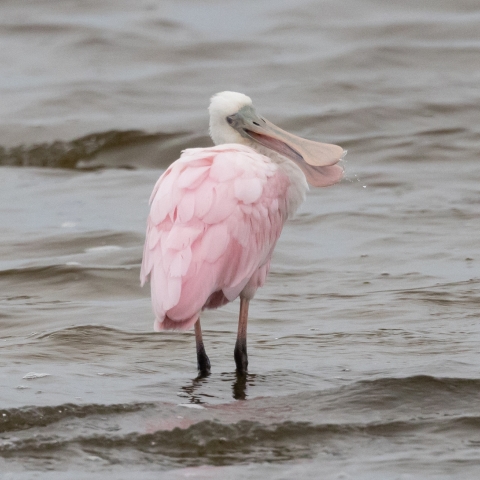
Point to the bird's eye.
(257, 124)
(229, 120)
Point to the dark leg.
(203, 363)
(240, 352)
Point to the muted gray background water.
(363, 344)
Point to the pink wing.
(216, 214)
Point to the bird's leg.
(240, 352)
(203, 363)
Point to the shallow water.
(363, 345)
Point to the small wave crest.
(127, 149)
(16, 419)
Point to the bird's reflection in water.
(191, 389)
(239, 387)
(240, 384)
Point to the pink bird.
(216, 215)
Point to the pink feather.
(216, 215)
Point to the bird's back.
(216, 214)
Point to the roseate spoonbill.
(217, 212)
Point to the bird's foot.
(241, 357)
(203, 363)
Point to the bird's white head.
(222, 105)
(234, 120)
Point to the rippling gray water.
(363, 345)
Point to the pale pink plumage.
(216, 215)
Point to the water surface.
(363, 345)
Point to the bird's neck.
(298, 188)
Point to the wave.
(464, 294)
(129, 149)
(378, 395)
(17, 419)
(267, 429)
(214, 443)
(102, 279)
(83, 342)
